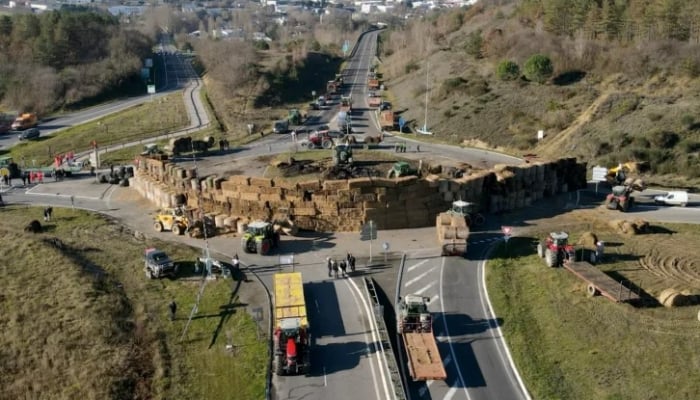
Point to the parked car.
(31, 133)
(676, 198)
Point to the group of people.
(334, 267)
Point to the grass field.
(569, 346)
(83, 321)
(147, 120)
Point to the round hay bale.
(672, 298)
(628, 228)
(641, 226)
(591, 290)
(241, 226)
(588, 240)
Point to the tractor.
(401, 168)
(294, 117)
(260, 238)
(172, 219)
(467, 211)
(342, 154)
(556, 249)
(621, 196)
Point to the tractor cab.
(258, 228)
(559, 239)
(463, 208)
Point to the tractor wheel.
(177, 229)
(279, 365)
(264, 247)
(310, 145)
(392, 174)
(540, 250)
(245, 246)
(327, 144)
(150, 274)
(158, 226)
(550, 258)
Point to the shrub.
(410, 67)
(653, 117)
(262, 45)
(664, 139)
(538, 68)
(687, 120)
(450, 84)
(507, 70)
(474, 44)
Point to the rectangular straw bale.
(359, 183)
(239, 180)
(335, 185)
(311, 185)
(259, 181)
(250, 196)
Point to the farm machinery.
(175, 220)
(401, 168)
(556, 249)
(621, 196)
(260, 238)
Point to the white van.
(676, 198)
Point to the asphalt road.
(178, 72)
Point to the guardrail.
(392, 366)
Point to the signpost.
(599, 175)
(346, 47)
(151, 89)
(385, 246)
(507, 232)
(369, 232)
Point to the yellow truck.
(25, 121)
(291, 353)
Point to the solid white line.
(414, 266)
(450, 393)
(367, 342)
(325, 377)
(375, 337)
(425, 288)
(490, 314)
(447, 331)
(419, 277)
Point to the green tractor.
(401, 168)
(294, 117)
(260, 238)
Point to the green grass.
(147, 120)
(569, 346)
(85, 322)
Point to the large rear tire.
(540, 250)
(177, 229)
(279, 365)
(550, 258)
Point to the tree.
(507, 70)
(538, 68)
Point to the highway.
(346, 361)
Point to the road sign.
(385, 246)
(151, 89)
(313, 94)
(346, 47)
(600, 174)
(369, 231)
(149, 63)
(507, 230)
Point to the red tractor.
(555, 249)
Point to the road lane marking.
(367, 341)
(325, 377)
(375, 336)
(414, 266)
(419, 277)
(447, 360)
(434, 298)
(422, 391)
(450, 393)
(501, 341)
(426, 287)
(461, 380)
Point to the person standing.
(329, 265)
(46, 214)
(235, 262)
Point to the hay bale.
(641, 226)
(673, 298)
(588, 240)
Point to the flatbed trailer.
(289, 298)
(601, 283)
(424, 361)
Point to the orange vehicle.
(386, 119)
(25, 121)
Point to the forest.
(58, 58)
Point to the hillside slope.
(606, 101)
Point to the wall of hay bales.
(344, 205)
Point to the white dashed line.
(414, 266)
(424, 288)
(419, 277)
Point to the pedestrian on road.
(334, 266)
(352, 262)
(235, 262)
(329, 265)
(343, 267)
(72, 201)
(24, 179)
(173, 309)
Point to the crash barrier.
(345, 205)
